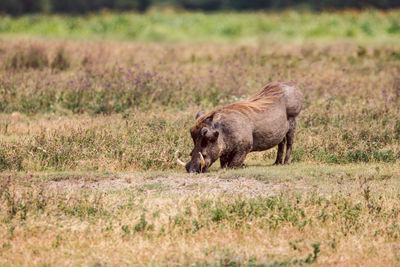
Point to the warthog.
(262, 121)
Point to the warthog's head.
(207, 146)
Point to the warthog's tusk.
(180, 162)
(203, 162)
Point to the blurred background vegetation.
(90, 85)
(17, 7)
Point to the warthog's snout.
(196, 165)
(192, 166)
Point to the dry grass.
(331, 216)
(98, 106)
(87, 137)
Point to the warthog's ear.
(209, 120)
(199, 114)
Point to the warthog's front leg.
(237, 160)
(224, 160)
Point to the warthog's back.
(267, 97)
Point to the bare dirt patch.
(174, 185)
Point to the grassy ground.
(115, 106)
(88, 131)
(300, 214)
(370, 26)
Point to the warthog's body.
(264, 120)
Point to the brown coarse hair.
(260, 101)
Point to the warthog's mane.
(260, 101)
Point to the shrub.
(61, 60)
(34, 57)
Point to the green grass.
(370, 26)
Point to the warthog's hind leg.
(279, 156)
(289, 139)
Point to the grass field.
(370, 26)
(88, 131)
(297, 215)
